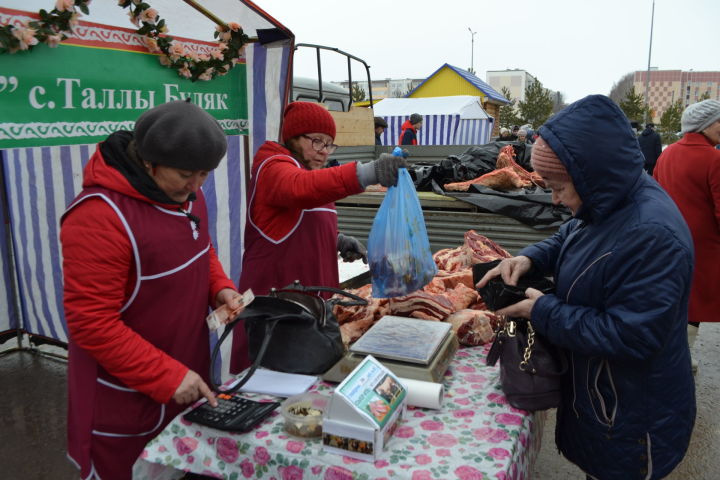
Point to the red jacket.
(689, 171)
(411, 138)
(99, 275)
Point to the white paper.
(276, 383)
(423, 394)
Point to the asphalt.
(33, 405)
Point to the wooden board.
(355, 127)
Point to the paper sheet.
(275, 383)
(423, 394)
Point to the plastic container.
(304, 413)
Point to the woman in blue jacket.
(622, 268)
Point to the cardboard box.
(364, 411)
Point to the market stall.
(476, 434)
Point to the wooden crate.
(356, 127)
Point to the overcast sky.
(578, 47)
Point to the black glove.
(351, 249)
(386, 169)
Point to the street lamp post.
(472, 50)
(647, 74)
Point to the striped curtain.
(441, 130)
(40, 183)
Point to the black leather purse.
(531, 368)
(291, 330)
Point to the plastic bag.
(398, 247)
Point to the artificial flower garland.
(56, 25)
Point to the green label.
(74, 95)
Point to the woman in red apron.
(291, 231)
(139, 274)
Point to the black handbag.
(291, 330)
(531, 368)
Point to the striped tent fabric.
(9, 319)
(441, 130)
(41, 182)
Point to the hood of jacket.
(647, 131)
(605, 163)
(270, 149)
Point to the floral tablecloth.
(476, 435)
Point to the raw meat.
(473, 327)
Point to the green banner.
(73, 95)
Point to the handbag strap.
(271, 322)
(356, 299)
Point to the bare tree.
(620, 89)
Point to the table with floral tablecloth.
(476, 435)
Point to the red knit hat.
(545, 162)
(306, 117)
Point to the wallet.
(497, 294)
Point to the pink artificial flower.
(176, 51)
(152, 45)
(64, 5)
(247, 467)
(135, 20)
(54, 40)
(184, 71)
(149, 15)
(26, 37)
(466, 472)
(291, 472)
(216, 53)
(227, 449)
(234, 26)
(74, 19)
(137, 2)
(261, 455)
(222, 46)
(165, 60)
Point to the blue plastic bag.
(398, 247)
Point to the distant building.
(387, 88)
(514, 80)
(667, 86)
(449, 80)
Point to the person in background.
(529, 133)
(292, 231)
(140, 272)
(380, 126)
(689, 170)
(622, 269)
(635, 128)
(522, 136)
(505, 135)
(514, 132)
(409, 129)
(651, 146)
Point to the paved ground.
(33, 403)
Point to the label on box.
(372, 391)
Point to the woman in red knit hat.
(291, 231)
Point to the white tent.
(454, 120)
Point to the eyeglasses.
(318, 145)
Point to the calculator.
(233, 413)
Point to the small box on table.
(364, 411)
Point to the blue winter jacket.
(622, 269)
